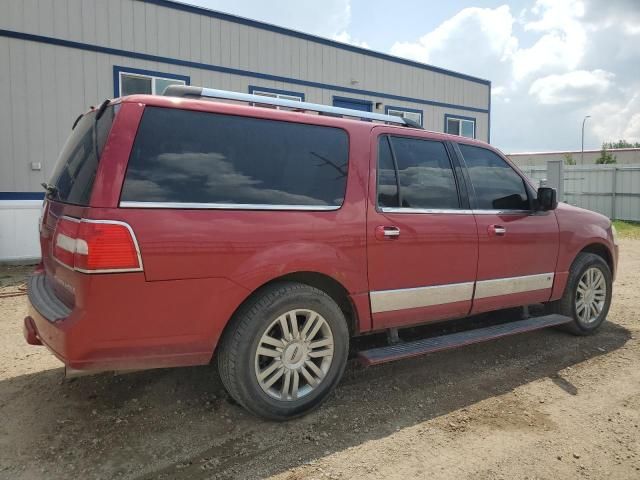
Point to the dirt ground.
(543, 405)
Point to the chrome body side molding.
(406, 298)
(507, 286)
(390, 300)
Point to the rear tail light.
(96, 246)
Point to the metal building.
(59, 57)
(624, 156)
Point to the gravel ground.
(539, 405)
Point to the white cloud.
(575, 86)
(616, 120)
(345, 37)
(562, 42)
(494, 25)
(498, 91)
(550, 64)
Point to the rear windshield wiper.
(51, 190)
(103, 106)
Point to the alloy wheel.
(294, 355)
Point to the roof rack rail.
(186, 91)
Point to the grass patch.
(627, 229)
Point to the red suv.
(177, 229)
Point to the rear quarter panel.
(245, 248)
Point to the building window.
(274, 93)
(130, 81)
(407, 113)
(353, 103)
(463, 126)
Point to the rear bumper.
(44, 311)
(122, 322)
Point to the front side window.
(424, 175)
(462, 126)
(131, 82)
(497, 186)
(186, 156)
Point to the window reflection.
(186, 156)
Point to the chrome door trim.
(390, 300)
(226, 206)
(417, 297)
(506, 286)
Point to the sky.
(551, 62)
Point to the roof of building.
(313, 38)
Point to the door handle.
(387, 232)
(497, 230)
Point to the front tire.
(587, 295)
(284, 351)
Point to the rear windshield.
(183, 156)
(78, 161)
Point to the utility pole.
(582, 148)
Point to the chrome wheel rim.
(591, 295)
(294, 355)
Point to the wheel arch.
(602, 251)
(329, 285)
(595, 247)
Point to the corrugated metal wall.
(43, 87)
(613, 190)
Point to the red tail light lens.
(96, 246)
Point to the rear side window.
(185, 156)
(77, 164)
(424, 171)
(496, 184)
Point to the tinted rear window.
(196, 157)
(77, 164)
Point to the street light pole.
(582, 148)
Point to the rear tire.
(284, 351)
(587, 295)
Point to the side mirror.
(547, 199)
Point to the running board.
(399, 351)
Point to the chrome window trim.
(227, 206)
(454, 211)
(391, 300)
(449, 211)
(501, 212)
(506, 286)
